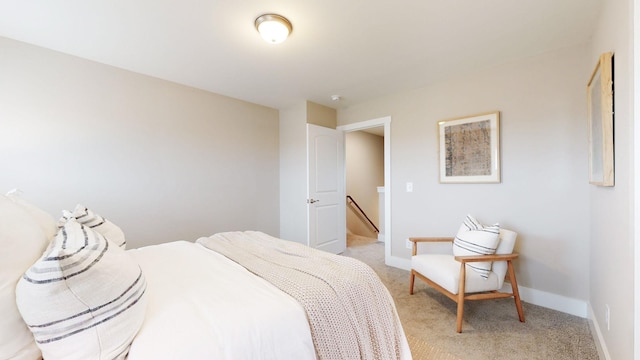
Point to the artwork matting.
(470, 149)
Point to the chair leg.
(412, 279)
(463, 277)
(516, 293)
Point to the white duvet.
(202, 305)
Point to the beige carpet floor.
(491, 329)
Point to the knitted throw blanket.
(351, 313)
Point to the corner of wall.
(598, 338)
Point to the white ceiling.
(355, 49)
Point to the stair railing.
(349, 198)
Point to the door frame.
(386, 123)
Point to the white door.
(326, 204)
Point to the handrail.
(363, 213)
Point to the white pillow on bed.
(22, 241)
(43, 218)
(84, 298)
(96, 222)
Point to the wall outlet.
(409, 244)
(607, 316)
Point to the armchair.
(449, 274)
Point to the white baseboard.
(536, 297)
(398, 262)
(603, 353)
(554, 301)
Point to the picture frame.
(600, 122)
(470, 149)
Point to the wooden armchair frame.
(461, 296)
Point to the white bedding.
(202, 305)
(350, 312)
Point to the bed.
(70, 289)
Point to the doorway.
(364, 169)
(382, 128)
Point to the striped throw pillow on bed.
(86, 217)
(84, 298)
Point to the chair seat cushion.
(444, 270)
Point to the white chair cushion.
(473, 238)
(84, 298)
(22, 240)
(97, 223)
(444, 270)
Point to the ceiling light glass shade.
(273, 28)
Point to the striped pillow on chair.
(84, 298)
(473, 238)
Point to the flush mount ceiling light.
(273, 28)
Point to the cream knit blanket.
(351, 313)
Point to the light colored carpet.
(491, 329)
(422, 350)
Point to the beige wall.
(544, 190)
(293, 174)
(611, 215)
(364, 160)
(163, 161)
(321, 115)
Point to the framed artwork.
(470, 149)
(600, 122)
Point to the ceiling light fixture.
(273, 28)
